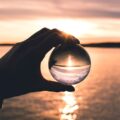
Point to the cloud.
(32, 9)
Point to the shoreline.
(103, 45)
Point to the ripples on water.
(68, 111)
(96, 98)
(70, 75)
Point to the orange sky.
(88, 20)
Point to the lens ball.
(69, 63)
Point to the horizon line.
(100, 44)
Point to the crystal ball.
(69, 63)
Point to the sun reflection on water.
(68, 112)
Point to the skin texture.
(20, 68)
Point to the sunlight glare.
(75, 27)
(69, 62)
(68, 112)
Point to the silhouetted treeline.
(107, 45)
(7, 44)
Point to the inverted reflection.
(69, 63)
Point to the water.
(69, 75)
(95, 98)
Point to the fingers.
(42, 41)
(58, 87)
(56, 37)
(66, 38)
(40, 50)
(35, 40)
(37, 35)
(43, 36)
(53, 38)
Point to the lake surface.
(95, 98)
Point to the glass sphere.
(69, 63)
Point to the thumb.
(58, 87)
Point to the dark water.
(96, 98)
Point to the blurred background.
(89, 20)
(97, 25)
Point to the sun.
(77, 28)
(69, 62)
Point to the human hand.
(20, 67)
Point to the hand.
(20, 67)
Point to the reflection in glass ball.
(69, 63)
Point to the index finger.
(66, 38)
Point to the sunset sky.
(89, 20)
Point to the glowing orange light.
(69, 63)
